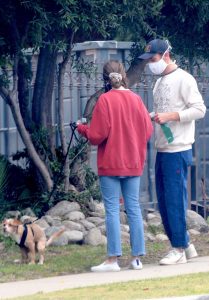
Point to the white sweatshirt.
(178, 92)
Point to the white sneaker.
(174, 257)
(106, 267)
(190, 251)
(136, 264)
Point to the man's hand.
(162, 118)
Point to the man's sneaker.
(190, 251)
(106, 267)
(174, 257)
(136, 264)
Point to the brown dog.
(30, 238)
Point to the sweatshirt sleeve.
(147, 122)
(99, 127)
(194, 102)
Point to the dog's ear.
(16, 223)
(4, 221)
(18, 217)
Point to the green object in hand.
(167, 132)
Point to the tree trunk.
(135, 71)
(23, 92)
(43, 91)
(61, 75)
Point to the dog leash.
(73, 127)
(24, 236)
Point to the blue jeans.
(171, 187)
(111, 186)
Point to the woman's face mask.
(158, 67)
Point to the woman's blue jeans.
(171, 187)
(111, 188)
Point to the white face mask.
(158, 67)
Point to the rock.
(70, 225)
(88, 225)
(104, 240)
(74, 236)
(96, 214)
(61, 240)
(193, 232)
(123, 218)
(154, 219)
(42, 223)
(74, 216)
(53, 221)
(145, 224)
(149, 210)
(94, 237)
(150, 216)
(124, 227)
(28, 211)
(96, 220)
(149, 237)
(125, 237)
(13, 214)
(102, 228)
(97, 207)
(155, 222)
(27, 219)
(161, 237)
(195, 221)
(62, 208)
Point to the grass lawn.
(194, 284)
(65, 260)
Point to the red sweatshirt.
(121, 127)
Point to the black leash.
(23, 238)
(73, 127)
(25, 233)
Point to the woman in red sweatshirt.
(121, 127)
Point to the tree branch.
(133, 74)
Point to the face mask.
(158, 67)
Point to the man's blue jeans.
(111, 187)
(171, 186)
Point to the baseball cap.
(154, 47)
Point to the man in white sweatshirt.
(177, 103)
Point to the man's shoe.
(106, 267)
(190, 251)
(174, 257)
(136, 264)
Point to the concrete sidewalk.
(30, 287)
